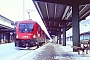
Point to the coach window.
(38, 28)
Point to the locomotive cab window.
(26, 27)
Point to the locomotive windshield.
(26, 27)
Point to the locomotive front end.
(26, 36)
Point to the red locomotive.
(29, 34)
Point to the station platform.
(52, 51)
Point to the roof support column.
(59, 36)
(0, 37)
(8, 37)
(64, 34)
(75, 26)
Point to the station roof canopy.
(6, 25)
(55, 13)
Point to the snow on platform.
(52, 51)
(49, 51)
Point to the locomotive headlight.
(34, 36)
(16, 36)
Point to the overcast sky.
(13, 10)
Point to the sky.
(16, 11)
(13, 9)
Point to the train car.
(42, 38)
(29, 34)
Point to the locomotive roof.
(28, 21)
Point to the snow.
(33, 55)
(63, 50)
(10, 52)
(69, 50)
